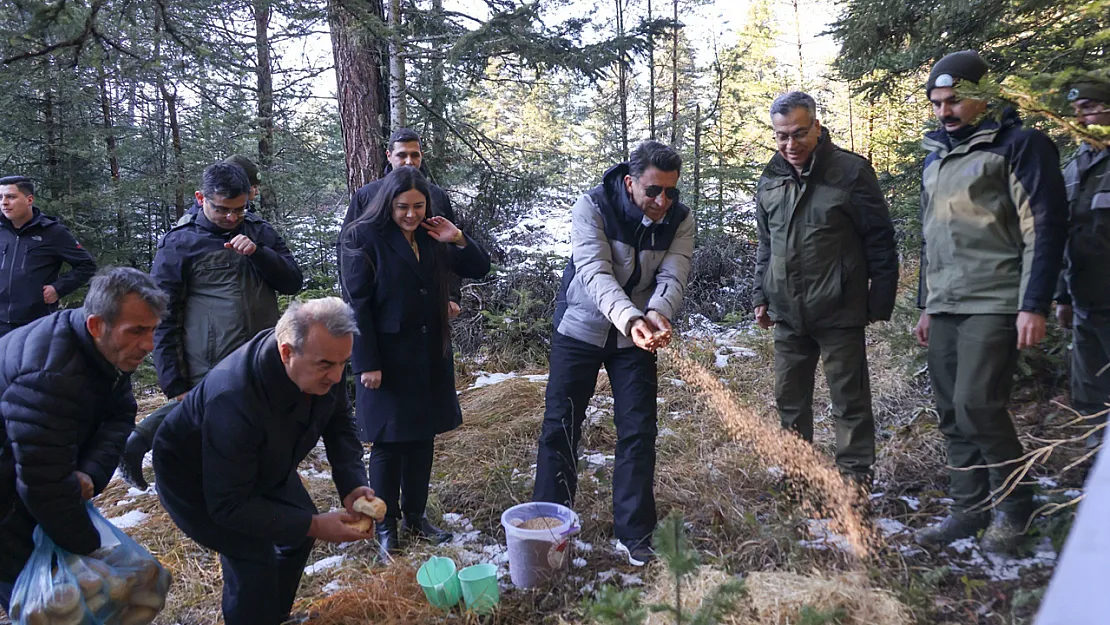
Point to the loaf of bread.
(374, 508)
(364, 524)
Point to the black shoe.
(131, 461)
(639, 554)
(424, 530)
(952, 528)
(389, 541)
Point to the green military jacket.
(827, 257)
(994, 218)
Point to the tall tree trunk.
(622, 73)
(178, 159)
(674, 79)
(801, 58)
(265, 106)
(49, 113)
(697, 158)
(109, 130)
(651, 80)
(436, 137)
(398, 115)
(359, 84)
(871, 131)
(720, 167)
(851, 121)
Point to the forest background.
(114, 107)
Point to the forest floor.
(741, 514)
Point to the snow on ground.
(313, 474)
(129, 519)
(489, 379)
(333, 586)
(323, 565)
(544, 229)
(999, 568)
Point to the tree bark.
(436, 137)
(179, 161)
(674, 79)
(109, 130)
(359, 83)
(697, 159)
(801, 58)
(398, 113)
(651, 80)
(264, 71)
(622, 73)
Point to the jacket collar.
(281, 392)
(38, 219)
(88, 347)
(943, 143)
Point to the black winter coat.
(399, 306)
(65, 408)
(31, 258)
(227, 456)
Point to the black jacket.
(219, 299)
(441, 206)
(399, 306)
(228, 454)
(31, 258)
(65, 408)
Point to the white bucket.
(535, 555)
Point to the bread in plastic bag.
(118, 584)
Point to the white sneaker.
(637, 556)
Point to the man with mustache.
(994, 220)
(1082, 299)
(826, 267)
(67, 406)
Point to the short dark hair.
(111, 285)
(23, 183)
(402, 135)
(653, 154)
(226, 180)
(791, 100)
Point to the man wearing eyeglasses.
(631, 246)
(994, 223)
(222, 270)
(1082, 299)
(826, 267)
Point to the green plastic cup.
(479, 587)
(440, 583)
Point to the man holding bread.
(227, 456)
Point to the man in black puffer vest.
(67, 407)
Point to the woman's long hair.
(379, 214)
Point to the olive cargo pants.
(972, 359)
(843, 352)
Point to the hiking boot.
(424, 530)
(639, 554)
(1005, 534)
(952, 528)
(389, 541)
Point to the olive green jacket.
(827, 257)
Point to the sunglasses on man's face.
(654, 190)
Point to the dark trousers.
(6, 595)
(400, 472)
(1090, 356)
(844, 354)
(148, 427)
(573, 376)
(260, 578)
(972, 359)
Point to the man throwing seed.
(632, 242)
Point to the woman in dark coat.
(395, 267)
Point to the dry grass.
(777, 598)
(389, 596)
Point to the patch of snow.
(465, 538)
(333, 586)
(631, 580)
(134, 492)
(489, 379)
(774, 471)
(721, 362)
(125, 502)
(666, 432)
(1046, 482)
(129, 519)
(890, 527)
(823, 538)
(998, 567)
(579, 562)
(312, 473)
(598, 459)
(583, 547)
(323, 565)
(874, 496)
(677, 382)
(1072, 493)
(913, 502)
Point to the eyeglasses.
(797, 135)
(224, 211)
(654, 190)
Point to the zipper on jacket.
(11, 276)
